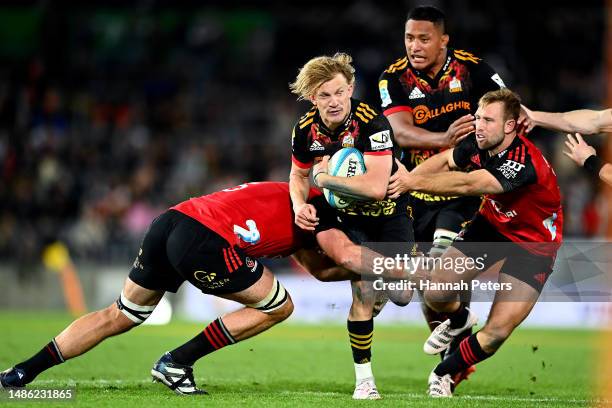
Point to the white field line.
(103, 383)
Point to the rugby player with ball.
(334, 122)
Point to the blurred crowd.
(110, 114)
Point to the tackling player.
(336, 120)
(429, 96)
(213, 242)
(522, 208)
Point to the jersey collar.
(433, 82)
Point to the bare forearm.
(299, 187)
(358, 259)
(435, 164)
(450, 183)
(585, 121)
(363, 187)
(416, 137)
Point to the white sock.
(363, 372)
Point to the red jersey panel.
(529, 210)
(256, 217)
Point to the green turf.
(296, 365)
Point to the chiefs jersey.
(529, 210)
(435, 103)
(364, 129)
(256, 217)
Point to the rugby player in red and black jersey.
(429, 96)
(213, 242)
(521, 208)
(336, 120)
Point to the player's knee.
(115, 321)
(441, 241)
(284, 311)
(400, 297)
(440, 300)
(136, 314)
(277, 304)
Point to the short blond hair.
(511, 101)
(320, 70)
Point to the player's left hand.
(399, 182)
(579, 150)
(525, 120)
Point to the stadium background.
(110, 113)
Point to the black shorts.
(362, 230)
(525, 266)
(178, 248)
(450, 215)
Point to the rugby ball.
(346, 162)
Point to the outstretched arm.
(585, 121)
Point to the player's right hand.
(460, 129)
(306, 217)
(579, 150)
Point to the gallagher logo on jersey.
(423, 114)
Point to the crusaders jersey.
(256, 217)
(437, 102)
(364, 129)
(529, 209)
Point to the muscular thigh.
(511, 307)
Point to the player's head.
(425, 37)
(496, 118)
(328, 83)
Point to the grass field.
(295, 365)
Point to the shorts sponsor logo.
(385, 97)
(381, 140)
(205, 277)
